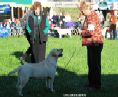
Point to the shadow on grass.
(17, 54)
(66, 82)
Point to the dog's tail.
(14, 71)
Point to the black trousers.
(29, 50)
(28, 39)
(39, 50)
(94, 65)
(113, 31)
(36, 49)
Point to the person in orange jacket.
(92, 38)
(113, 21)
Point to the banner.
(5, 8)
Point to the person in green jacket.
(37, 27)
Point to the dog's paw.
(52, 90)
(20, 94)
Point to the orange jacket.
(95, 36)
(113, 19)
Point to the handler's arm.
(28, 28)
(47, 26)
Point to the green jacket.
(43, 25)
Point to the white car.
(103, 5)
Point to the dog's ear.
(53, 54)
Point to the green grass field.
(70, 79)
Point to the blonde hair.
(84, 5)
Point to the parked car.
(103, 5)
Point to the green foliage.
(70, 78)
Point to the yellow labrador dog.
(45, 69)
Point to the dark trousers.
(28, 39)
(113, 31)
(39, 50)
(94, 65)
(29, 50)
(36, 49)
